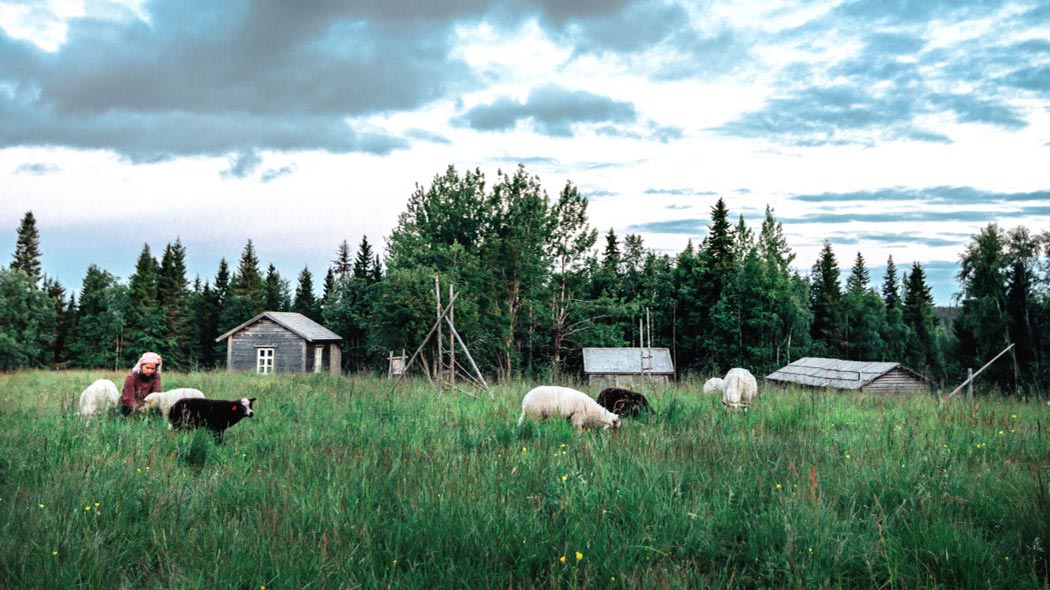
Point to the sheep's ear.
(252, 400)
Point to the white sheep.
(577, 406)
(739, 389)
(163, 400)
(714, 385)
(98, 397)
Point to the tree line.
(536, 284)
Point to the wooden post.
(451, 341)
(440, 358)
(969, 384)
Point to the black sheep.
(215, 415)
(622, 402)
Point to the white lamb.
(739, 389)
(163, 400)
(714, 385)
(577, 406)
(98, 397)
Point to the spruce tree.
(341, 266)
(827, 330)
(304, 301)
(922, 351)
(363, 261)
(27, 248)
(173, 297)
(147, 323)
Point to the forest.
(535, 283)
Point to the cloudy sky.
(886, 127)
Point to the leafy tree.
(1022, 305)
(786, 308)
(27, 248)
(27, 322)
(982, 327)
(828, 329)
(98, 340)
(572, 238)
(516, 255)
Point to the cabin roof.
(837, 373)
(627, 361)
(296, 323)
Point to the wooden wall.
(896, 381)
(290, 351)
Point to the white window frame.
(264, 359)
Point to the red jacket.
(137, 387)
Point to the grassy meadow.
(350, 483)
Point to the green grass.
(350, 483)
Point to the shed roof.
(626, 360)
(297, 323)
(837, 373)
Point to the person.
(143, 380)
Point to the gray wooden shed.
(879, 378)
(282, 342)
(627, 367)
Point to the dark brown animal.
(215, 415)
(623, 402)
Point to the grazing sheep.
(163, 400)
(622, 402)
(714, 385)
(577, 406)
(98, 397)
(215, 415)
(739, 389)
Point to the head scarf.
(148, 358)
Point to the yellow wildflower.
(579, 556)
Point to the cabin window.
(264, 361)
(318, 358)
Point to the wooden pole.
(425, 340)
(973, 376)
(451, 341)
(969, 383)
(474, 365)
(440, 359)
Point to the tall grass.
(350, 483)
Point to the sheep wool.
(714, 385)
(98, 397)
(739, 389)
(552, 400)
(163, 400)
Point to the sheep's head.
(614, 423)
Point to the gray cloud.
(673, 226)
(275, 173)
(552, 110)
(946, 195)
(895, 82)
(898, 239)
(37, 169)
(242, 164)
(980, 216)
(679, 192)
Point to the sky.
(887, 128)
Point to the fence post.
(969, 384)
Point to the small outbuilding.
(878, 378)
(627, 367)
(282, 342)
